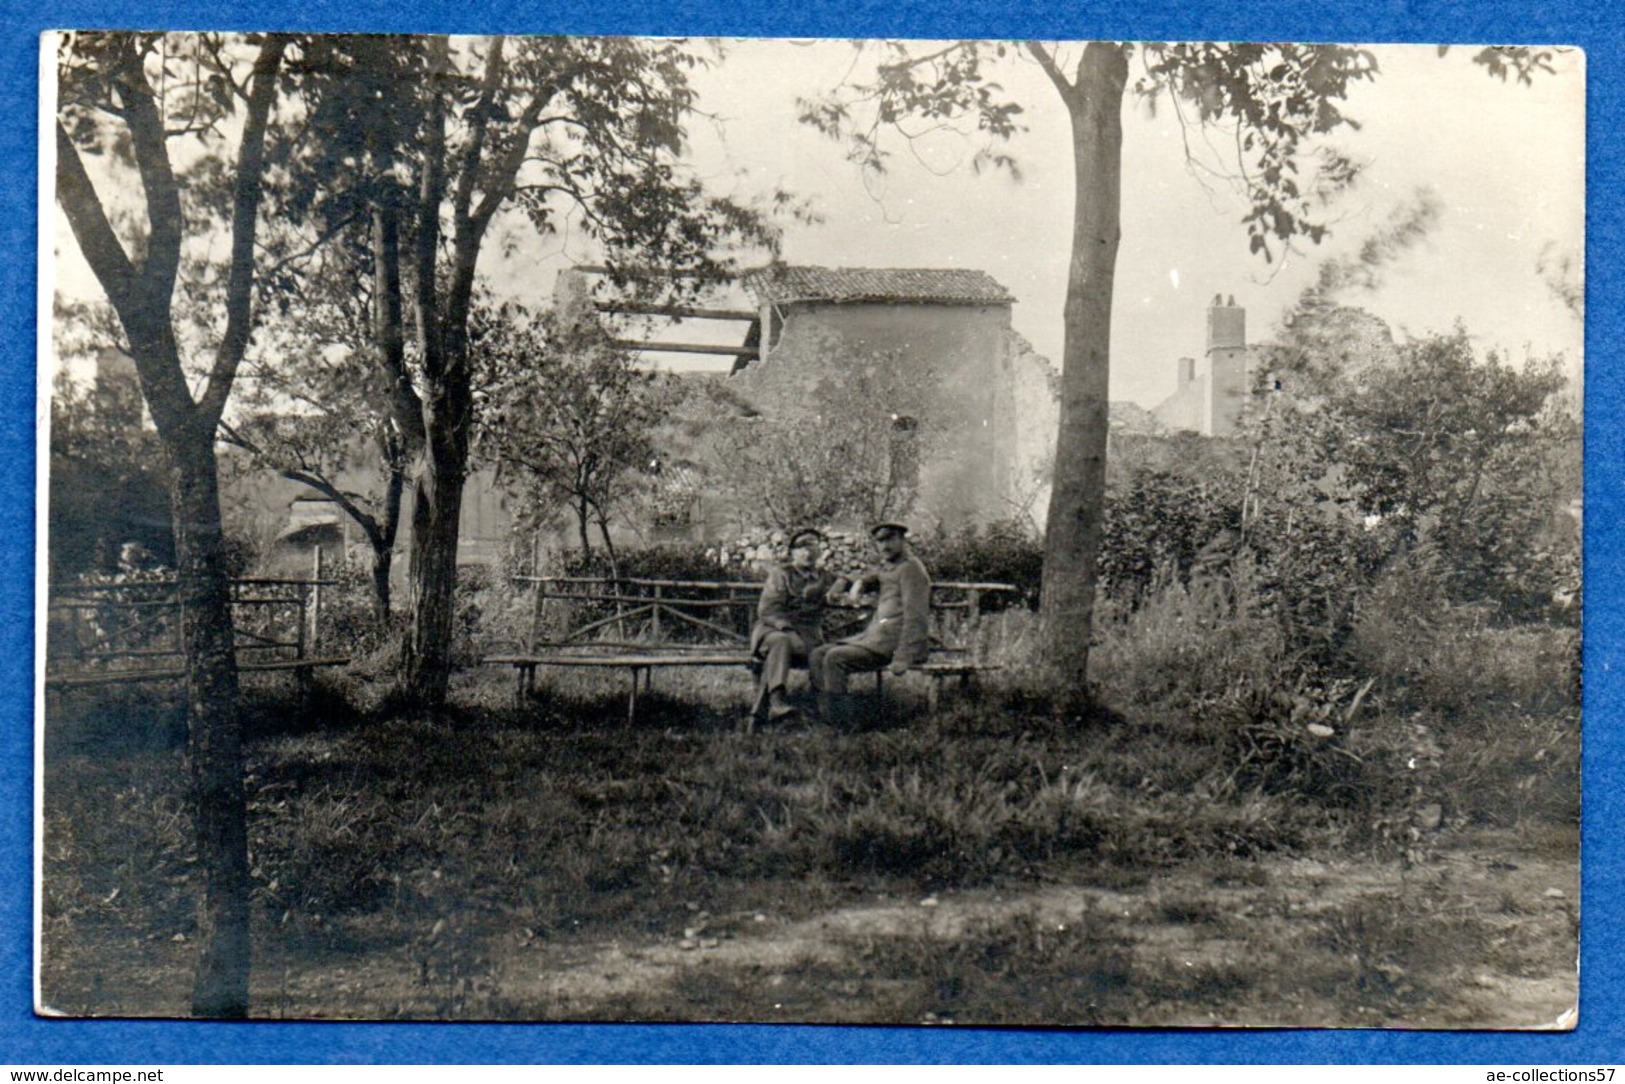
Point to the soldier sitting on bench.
(898, 634)
(790, 622)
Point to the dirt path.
(1180, 920)
(1211, 944)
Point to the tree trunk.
(214, 730)
(436, 507)
(382, 561)
(142, 294)
(405, 438)
(609, 546)
(383, 543)
(582, 520)
(1072, 536)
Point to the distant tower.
(1226, 391)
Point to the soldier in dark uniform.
(790, 622)
(898, 634)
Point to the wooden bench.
(652, 610)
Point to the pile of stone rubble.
(752, 554)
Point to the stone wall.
(957, 381)
(1035, 385)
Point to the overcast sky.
(1506, 162)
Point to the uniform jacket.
(900, 627)
(793, 600)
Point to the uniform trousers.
(832, 664)
(777, 652)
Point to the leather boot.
(778, 707)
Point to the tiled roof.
(952, 286)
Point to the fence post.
(537, 586)
(654, 614)
(313, 618)
(973, 626)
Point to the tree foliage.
(852, 457)
(107, 484)
(1279, 103)
(565, 417)
(453, 138)
(314, 403)
(1277, 99)
(1464, 455)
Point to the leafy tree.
(565, 417)
(123, 99)
(1420, 450)
(1280, 100)
(312, 409)
(107, 485)
(1461, 454)
(451, 136)
(852, 454)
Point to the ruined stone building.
(974, 417)
(971, 403)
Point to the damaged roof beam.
(670, 310)
(686, 348)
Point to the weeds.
(1183, 643)
(1393, 952)
(1022, 969)
(379, 833)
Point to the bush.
(1315, 566)
(1184, 644)
(688, 561)
(1000, 552)
(1159, 520)
(493, 612)
(349, 621)
(1456, 661)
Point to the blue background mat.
(1600, 1037)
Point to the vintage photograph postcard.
(1072, 534)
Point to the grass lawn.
(994, 865)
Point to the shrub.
(1000, 552)
(689, 561)
(1301, 735)
(1183, 644)
(349, 621)
(1162, 521)
(1456, 661)
(491, 612)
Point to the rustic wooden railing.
(640, 625)
(128, 630)
(653, 610)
